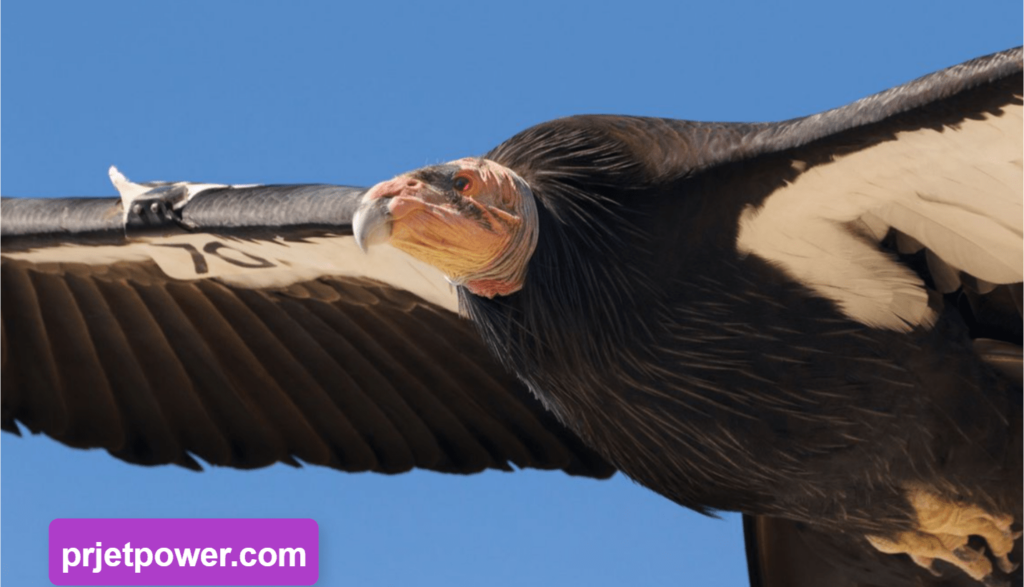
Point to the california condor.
(815, 322)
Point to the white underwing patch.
(957, 192)
(259, 264)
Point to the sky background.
(349, 93)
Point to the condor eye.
(462, 184)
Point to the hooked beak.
(383, 204)
(371, 223)
(476, 238)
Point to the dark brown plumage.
(738, 316)
(154, 370)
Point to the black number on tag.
(258, 262)
(197, 258)
(214, 248)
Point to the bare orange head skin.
(473, 219)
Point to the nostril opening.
(412, 183)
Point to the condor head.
(473, 219)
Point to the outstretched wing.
(894, 207)
(243, 326)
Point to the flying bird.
(815, 322)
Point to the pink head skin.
(473, 219)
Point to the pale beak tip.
(371, 224)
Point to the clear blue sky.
(287, 92)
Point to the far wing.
(894, 207)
